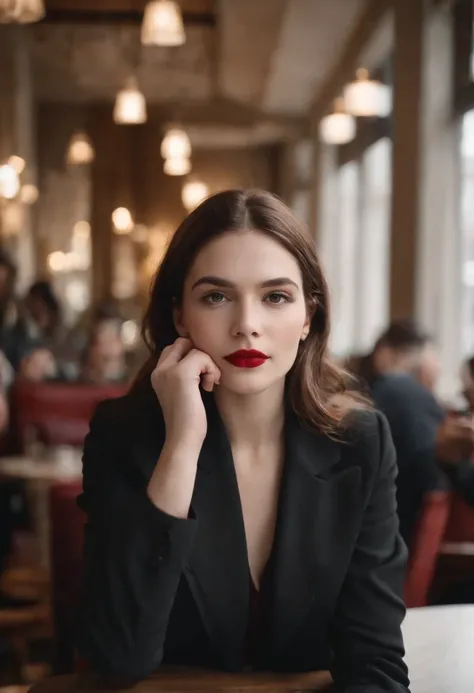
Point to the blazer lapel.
(310, 530)
(218, 572)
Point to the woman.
(237, 514)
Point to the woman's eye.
(214, 297)
(277, 298)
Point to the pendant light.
(122, 221)
(339, 127)
(130, 105)
(21, 11)
(175, 144)
(193, 193)
(80, 150)
(163, 24)
(367, 97)
(177, 166)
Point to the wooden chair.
(67, 537)
(426, 547)
(60, 415)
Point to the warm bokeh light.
(81, 150)
(29, 194)
(162, 24)
(122, 220)
(9, 182)
(177, 167)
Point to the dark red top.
(256, 622)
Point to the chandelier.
(163, 24)
(130, 105)
(21, 11)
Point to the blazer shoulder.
(367, 436)
(130, 417)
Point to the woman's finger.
(203, 366)
(175, 352)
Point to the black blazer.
(158, 589)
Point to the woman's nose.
(247, 320)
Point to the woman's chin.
(246, 383)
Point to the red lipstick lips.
(247, 358)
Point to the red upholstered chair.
(460, 526)
(59, 413)
(67, 538)
(425, 547)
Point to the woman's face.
(245, 292)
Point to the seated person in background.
(38, 366)
(426, 440)
(105, 359)
(43, 315)
(15, 338)
(101, 356)
(461, 471)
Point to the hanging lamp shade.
(338, 127)
(80, 150)
(367, 97)
(130, 105)
(163, 24)
(178, 166)
(176, 145)
(21, 11)
(193, 193)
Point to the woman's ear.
(178, 323)
(310, 312)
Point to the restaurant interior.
(118, 118)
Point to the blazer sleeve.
(367, 640)
(134, 556)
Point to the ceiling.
(125, 6)
(267, 56)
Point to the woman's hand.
(179, 372)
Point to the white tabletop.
(60, 466)
(439, 643)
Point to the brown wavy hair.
(318, 390)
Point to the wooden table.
(193, 681)
(440, 657)
(439, 643)
(57, 465)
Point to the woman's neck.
(252, 420)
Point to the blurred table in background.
(56, 465)
(439, 649)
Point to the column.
(407, 104)
(438, 279)
(17, 137)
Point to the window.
(374, 247)
(344, 278)
(467, 232)
(360, 280)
